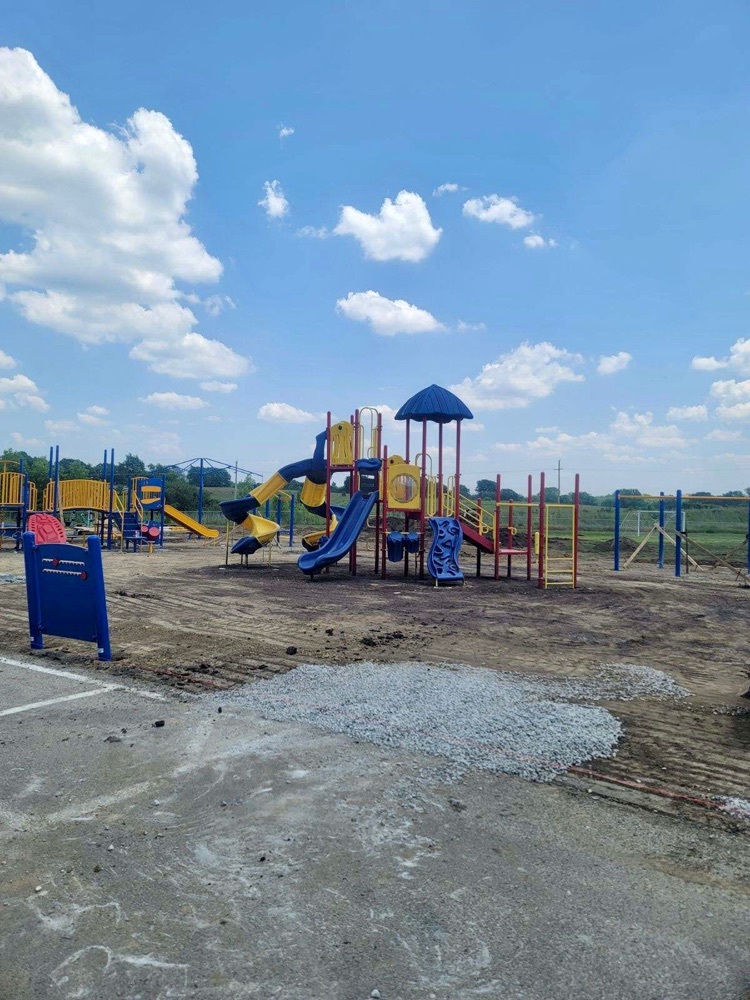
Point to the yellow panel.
(342, 443)
(404, 482)
(313, 494)
(270, 488)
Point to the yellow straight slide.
(188, 522)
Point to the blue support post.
(112, 499)
(291, 525)
(200, 495)
(617, 530)
(57, 481)
(278, 515)
(661, 536)
(49, 471)
(677, 536)
(268, 510)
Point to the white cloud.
(60, 426)
(174, 401)
(285, 413)
(192, 356)
(515, 379)
(21, 442)
(733, 399)
(94, 416)
(6, 361)
(641, 430)
(224, 387)
(387, 316)
(720, 435)
(216, 304)
(611, 363)
(402, 230)
(285, 131)
(105, 213)
(213, 418)
(472, 426)
(19, 391)
(734, 411)
(467, 327)
(274, 201)
(449, 188)
(506, 446)
(709, 364)
(313, 233)
(699, 412)
(503, 211)
(537, 242)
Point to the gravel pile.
(509, 723)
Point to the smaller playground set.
(674, 507)
(125, 519)
(400, 496)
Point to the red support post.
(352, 491)
(440, 472)
(479, 527)
(529, 528)
(576, 526)
(379, 504)
(542, 529)
(423, 500)
(328, 473)
(498, 495)
(457, 481)
(509, 572)
(384, 526)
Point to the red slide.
(46, 529)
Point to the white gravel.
(530, 726)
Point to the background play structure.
(404, 492)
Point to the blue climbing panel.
(442, 559)
(65, 593)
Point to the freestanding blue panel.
(442, 559)
(65, 593)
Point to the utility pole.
(559, 469)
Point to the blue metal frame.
(617, 530)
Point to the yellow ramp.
(189, 523)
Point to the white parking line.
(55, 701)
(69, 675)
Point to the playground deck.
(181, 617)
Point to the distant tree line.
(182, 486)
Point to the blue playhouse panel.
(442, 559)
(65, 593)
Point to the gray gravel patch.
(532, 727)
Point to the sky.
(218, 222)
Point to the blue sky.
(155, 298)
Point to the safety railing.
(81, 494)
(11, 489)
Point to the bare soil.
(182, 617)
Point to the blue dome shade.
(436, 404)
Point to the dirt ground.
(182, 617)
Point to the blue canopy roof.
(436, 404)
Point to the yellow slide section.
(261, 528)
(189, 523)
(312, 539)
(268, 489)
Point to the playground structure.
(386, 487)
(680, 538)
(126, 519)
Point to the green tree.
(131, 466)
(211, 477)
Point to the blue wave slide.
(442, 559)
(347, 531)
